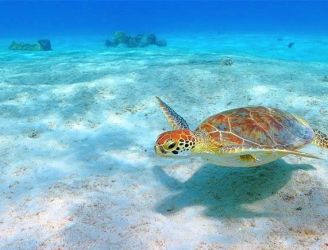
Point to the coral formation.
(151, 39)
(140, 40)
(119, 37)
(226, 61)
(41, 45)
(45, 44)
(132, 42)
(24, 46)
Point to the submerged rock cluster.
(226, 61)
(40, 45)
(140, 40)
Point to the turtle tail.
(320, 139)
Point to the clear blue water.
(195, 26)
(93, 17)
(78, 124)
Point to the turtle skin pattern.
(257, 127)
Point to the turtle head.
(175, 143)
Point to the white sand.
(77, 167)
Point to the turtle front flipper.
(238, 156)
(175, 120)
(320, 139)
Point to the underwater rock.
(226, 61)
(41, 45)
(139, 37)
(45, 44)
(25, 46)
(143, 41)
(119, 37)
(34, 134)
(140, 40)
(151, 39)
(290, 45)
(132, 42)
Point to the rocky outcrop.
(45, 44)
(226, 61)
(40, 45)
(140, 40)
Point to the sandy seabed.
(77, 167)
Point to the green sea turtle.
(242, 137)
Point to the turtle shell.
(258, 127)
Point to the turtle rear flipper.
(175, 120)
(320, 139)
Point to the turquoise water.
(78, 125)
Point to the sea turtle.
(242, 137)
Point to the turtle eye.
(169, 145)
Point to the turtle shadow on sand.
(223, 192)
